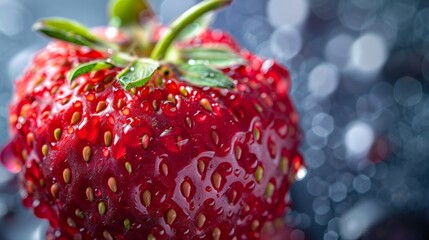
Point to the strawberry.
(118, 136)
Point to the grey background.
(360, 73)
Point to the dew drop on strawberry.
(174, 139)
(281, 127)
(89, 130)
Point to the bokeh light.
(368, 53)
(291, 13)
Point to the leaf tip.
(37, 25)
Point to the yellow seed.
(183, 91)
(201, 166)
(259, 174)
(150, 237)
(171, 98)
(171, 216)
(30, 186)
(186, 189)
(108, 79)
(101, 106)
(30, 139)
(89, 194)
(101, 208)
(74, 85)
(112, 184)
(269, 190)
(54, 90)
(24, 154)
(107, 138)
(206, 104)
(107, 235)
(147, 198)
(42, 182)
(127, 224)
(188, 122)
(237, 152)
(258, 108)
(86, 153)
(255, 225)
(216, 233)
(215, 137)
(57, 134)
(45, 150)
(145, 141)
(201, 220)
(66, 100)
(66, 175)
(39, 81)
(128, 167)
(283, 165)
(158, 81)
(79, 213)
(257, 134)
(155, 105)
(126, 111)
(232, 196)
(75, 118)
(164, 169)
(25, 109)
(55, 189)
(13, 118)
(71, 223)
(88, 87)
(216, 179)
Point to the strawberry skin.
(164, 161)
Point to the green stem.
(125, 13)
(182, 22)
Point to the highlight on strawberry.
(144, 131)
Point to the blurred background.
(360, 72)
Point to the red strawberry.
(113, 146)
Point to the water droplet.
(301, 173)
(171, 140)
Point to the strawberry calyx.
(199, 66)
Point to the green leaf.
(122, 59)
(129, 12)
(205, 76)
(138, 73)
(217, 56)
(69, 31)
(88, 67)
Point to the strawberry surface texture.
(165, 160)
